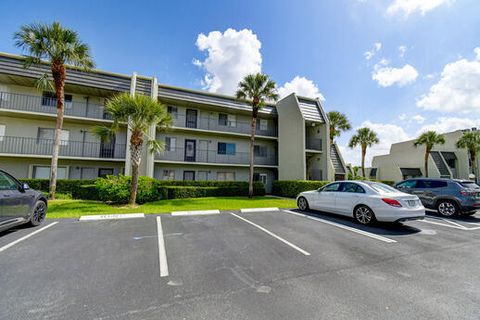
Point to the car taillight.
(468, 193)
(392, 202)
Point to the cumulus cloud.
(458, 89)
(448, 124)
(302, 87)
(371, 53)
(230, 56)
(418, 119)
(388, 76)
(407, 7)
(401, 51)
(387, 134)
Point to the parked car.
(366, 201)
(448, 196)
(19, 204)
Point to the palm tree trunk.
(58, 73)
(473, 158)
(252, 144)
(135, 151)
(427, 153)
(331, 134)
(364, 152)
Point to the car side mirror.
(25, 187)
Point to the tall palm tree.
(141, 112)
(257, 89)
(57, 46)
(429, 139)
(338, 123)
(364, 138)
(471, 142)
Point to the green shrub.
(291, 188)
(86, 192)
(179, 192)
(63, 185)
(224, 188)
(116, 189)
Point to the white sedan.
(366, 201)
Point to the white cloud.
(418, 119)
(302, 87)
(408, 7)
(230, 56)
(388, 76)
(401, 51)
(371, 53)
(415, 118)
(458, 89)
(387, 134)
(448, 124)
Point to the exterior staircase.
(441, 165)
(336, 160)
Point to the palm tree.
(429, 139)
(140, 112)
(471, 142)
(364, 138)
(338, 123)
(57, 46)
(257, 89)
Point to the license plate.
(412, 203)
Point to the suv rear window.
(469, 184)
(431, 184)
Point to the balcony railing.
(212, 156)
(15, 101)
(313, 144)
(34, 146)
(214, 124)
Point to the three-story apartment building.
(209, 139)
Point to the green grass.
(76, 208)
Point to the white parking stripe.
(11, 244)
(272, 234)
(338, 225)
(162, 253)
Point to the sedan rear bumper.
(389, 214)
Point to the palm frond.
(43, 83)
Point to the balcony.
(211, 156)
(44, 147)
(313, 144)
(22, 102)
(213, 124)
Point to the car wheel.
(39, 213)
(364, 215)
(447, 208)
(302, 203)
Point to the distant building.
(407, 161)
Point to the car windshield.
(382, 188)
(469, 184)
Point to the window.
(170, 144)
(469, 184)
(68, 101)
(263, 125)
(103, 172)
(260, 151)
(431, 184)
(262, 177)
(226, 148)
(168, 174)
(352, 187)
(229, 120)
(7, 183)
(382, 188)
(43, 172)
(409, 184)
(173, 111)
(49, 99)
(225, 176)
(2, 132)
(189, 175)
(46, 135)
(202, 175)
(331, 187)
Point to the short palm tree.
(365, 137)
(429, 139)
(140, 112)
(58, 47)
(338, 123)
(257, 89)
(471, 142)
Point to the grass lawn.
(77, 208)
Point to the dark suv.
(448, 196)
(19, 204)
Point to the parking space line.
(272, 234)
(11, 244)
(162, 253)
(339, 225)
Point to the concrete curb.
(112, 216)
(195, 213)
(258, 210)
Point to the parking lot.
(234, 265)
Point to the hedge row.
(291, 188)
(63, 185)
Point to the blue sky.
(422, 73)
